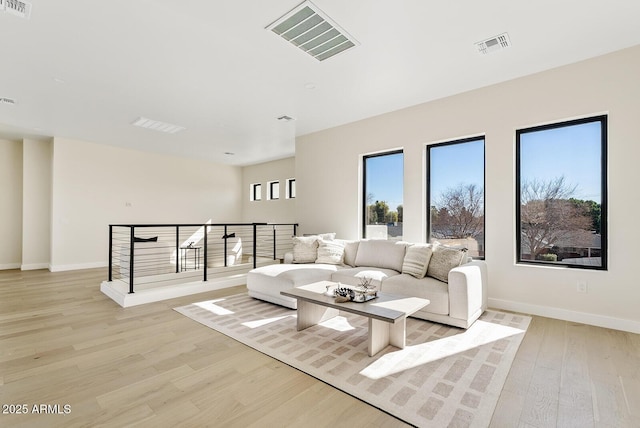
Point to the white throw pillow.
(416, 260)
(381, 253)
(443, 260)
(305, 249)
(330, 252)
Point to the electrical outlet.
(582, 286)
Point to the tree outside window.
(455, 194)
(382, 195)
(561, 194)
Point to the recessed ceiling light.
(156, 125)
(310, 85)
(56, 79)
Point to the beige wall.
(36, 204)
(607, 84)
(10, 204)
(281, 210)
(96, 185)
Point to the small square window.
(273, 190)
(291, 188)
(255, 192)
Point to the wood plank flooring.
(62, 342)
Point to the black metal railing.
(169, 250)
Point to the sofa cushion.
(443, 260)
(331, 252)
(381, 253)
(426, 288)
(350, 251)
(354, 276)
(416, 260)
(305, 249)
(290, 275)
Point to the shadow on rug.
(445, 376)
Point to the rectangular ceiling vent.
(7, 101)
(308, 28)
(494, 44)
(16, 7)
(156, 125)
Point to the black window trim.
(254, 188)
(271, 186)
(364, 183)
(484, 182)
(604, 206)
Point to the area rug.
(445, 376)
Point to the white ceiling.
(87, 69)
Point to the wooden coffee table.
(387, 313)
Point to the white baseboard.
(62, 268)
(567, 315)
(8, 266)
(35, 266)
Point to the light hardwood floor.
(62, 342)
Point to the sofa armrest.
(468, 289)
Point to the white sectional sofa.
(395, 267)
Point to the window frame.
(256, 192)
(270, 190)
(603, 119)
(364, 183)
(290, 192)
(484, 184)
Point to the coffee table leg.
(311, 314)
(383, 333)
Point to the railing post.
(274, 242)
(255, 245)
(206, 244)
(178, 249)
(295, 229)
(225, 237)
(110, 252)
(131, 267)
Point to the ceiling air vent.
(16, 7)
(494, 44)
(156, 125)
(285, 118)
(7, 101)
(311, 30)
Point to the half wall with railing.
(148, 255)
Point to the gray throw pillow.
(443, 260)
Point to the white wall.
(36, 204)
(97, 185)
(10, 204)
(281, 210)
(328, 177)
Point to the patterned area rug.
(445, 376)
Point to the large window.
(455, 194)
(561, 199)
(382, 195)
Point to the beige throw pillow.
(443, 260)
(330, 252)
(305, 249)
(416, 260)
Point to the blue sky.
(570, 151)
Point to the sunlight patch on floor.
(480, 333)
